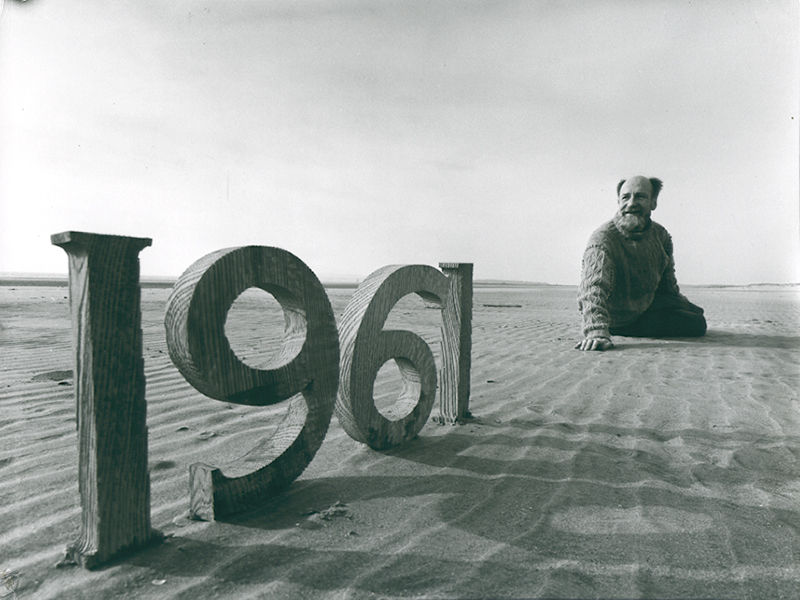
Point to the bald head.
(655, 184)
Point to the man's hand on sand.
(594, 344)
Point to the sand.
(659, 469)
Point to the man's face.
(636, 202)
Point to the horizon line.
(162, 281)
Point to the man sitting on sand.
(628, 284)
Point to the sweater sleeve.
(668, 286)
(597, 281)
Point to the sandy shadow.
(601, 505)
(714, 338)
(562, 507)
(594, 465)
(222, 568)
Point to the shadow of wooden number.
(366, 347)
(305, 372)
(114, 481)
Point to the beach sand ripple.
(661, 468)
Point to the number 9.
(305, 371)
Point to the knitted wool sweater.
(622, 272)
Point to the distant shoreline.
(144, 282)
(22, 281)
(64, 282)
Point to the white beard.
(634, 222)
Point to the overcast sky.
(359, 133)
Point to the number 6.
(365, 347)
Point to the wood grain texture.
(366, 347)
(114, 481)
(305, 372)
(456, 344)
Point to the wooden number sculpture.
(306, 371)
(110, 385)
(366, 347)
(456, 344)
(114, 481)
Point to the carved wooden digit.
(366, 347)
(305, 371)
(114, 480)
(456, 343)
